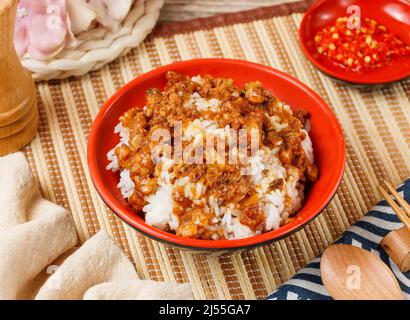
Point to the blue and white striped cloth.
(367, 234)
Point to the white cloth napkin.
(38, 238)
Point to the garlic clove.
(20, 40)
(42, 28)
(111, 12)
(81, 15)
(47, 36)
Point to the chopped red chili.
(370, 46)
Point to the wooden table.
(176, 10)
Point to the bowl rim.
(350, 79)
(198, 244)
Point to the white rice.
(123, 132)
(126, 184)
(240, 231)
(198, 79)
(308, 147)
(202, 104)
(113, 165)
(277, 125)
(124, 139)
(158, 211)
(198, 127)
(165, 164)
(274, 209)
(192, 191)
(272, 203)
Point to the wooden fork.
(397, 242)
(402, 212)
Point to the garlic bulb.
(45, 27)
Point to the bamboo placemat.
(376, 124)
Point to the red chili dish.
(326, 135)
(365, 46)
(369, 48)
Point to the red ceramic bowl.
(394, 14)
(326, 134)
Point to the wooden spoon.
(351, 273)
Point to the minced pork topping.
(182, 183)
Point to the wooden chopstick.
(396, 208)
(399, 198)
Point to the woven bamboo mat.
(376, 123)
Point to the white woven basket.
(99, 46)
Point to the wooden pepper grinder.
(18, 106)
(397, 246)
